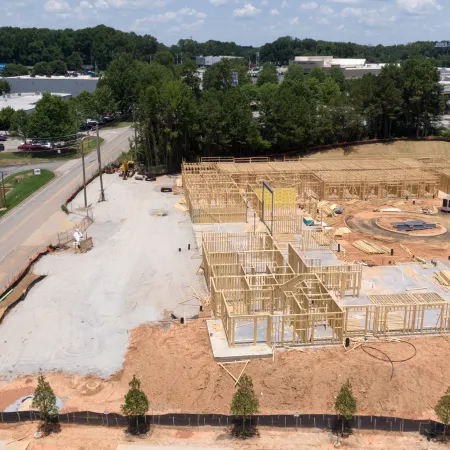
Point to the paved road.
(23, 221)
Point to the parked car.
(85, 127)
(25, 147)
(2, 147)
(3, 137)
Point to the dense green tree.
(74, 61)
(6, 115)
(5, 87)
(58, 67)
(135, 407)
(19, 123)
(52, 117)
(294, 72)
(42, 68)
(164, 58)
(223, 74)
(14, 70)
(422, 93)
(122, 77)
(268, 74)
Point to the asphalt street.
(23, 221)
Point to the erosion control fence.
(321, 421)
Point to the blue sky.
(245, 22)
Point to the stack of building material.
(443, 277)
(371, 248)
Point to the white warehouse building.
(352, 68)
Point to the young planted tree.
(345, 403)
(44, 401)
(244, 404)
(442, 409)
(135, 407)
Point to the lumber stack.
(371, 248)
(443, 277)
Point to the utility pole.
(82, 161)
(99, 155)
(135, 133)
(4, 192)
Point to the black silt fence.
(320, 421)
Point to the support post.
(82, 160)
(99, 156)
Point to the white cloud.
(274, 12)
(344, 1)
(326, 9)
(418, 6)
(352, 12)
(101, 4)
(293, 21)
(284, 3)
(172, 16)
(264, 2)
(56, 6)
(341, 27)
(247, 11)
(222, 2)
(136, 4)
(188, 26)
(323, 21)
(309, 5)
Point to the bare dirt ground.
(179, 374)
(361, 221)
(78, 437)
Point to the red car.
(25, 147)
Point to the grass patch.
(119, 125)
(20, 191)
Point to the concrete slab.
(221, 350)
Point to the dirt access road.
(78, 437)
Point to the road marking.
(35, 211)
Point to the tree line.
(244, 404)
(98, 46)
(231, 116)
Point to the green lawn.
(20, 191)
(119, 125)
(20, 157)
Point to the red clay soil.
(179, 374)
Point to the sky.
(242, 21)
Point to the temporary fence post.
(87, 417)
(284, 421)
(18, 415)
(375, 424)
(198, 420)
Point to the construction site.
(259, 266)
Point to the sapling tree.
(345, 404)
(442, 409)
(44, 401)
(135, 407)
(244, 404)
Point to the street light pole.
(102, 191)
(82, 160)
(135, 133)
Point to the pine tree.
(244, 402)
(442, 409)
(44, 401)
(345, 403)
(135, 406)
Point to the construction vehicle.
(128, 169)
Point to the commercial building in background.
(54, 84)
(208, 61)
(26, 101)
(352, 68)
